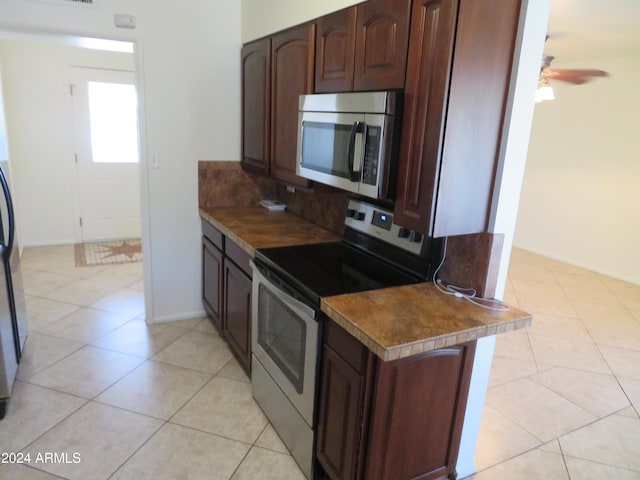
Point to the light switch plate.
(124, 21)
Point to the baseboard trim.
(178, 317)
(592, 268)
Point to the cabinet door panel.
(256, 106)
(212, 282)
(478, 92)
(425, 101)
(340, 416)
(292, 56)
(237, 309)
(335, 44)
(425, 396)
(382, 34)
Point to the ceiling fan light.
(544, 92)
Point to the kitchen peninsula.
(395, 363)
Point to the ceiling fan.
(573, 76)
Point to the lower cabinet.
(212, 281)
(226, 291)
(342, 402)
(390, 420)
(237, 312)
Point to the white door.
(107, 153)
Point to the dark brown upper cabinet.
(382, 35)
(256, 106)
(478, 94)
(460, 59)
(292, 67)
(430, 52)
(363, 47)
(335, 51)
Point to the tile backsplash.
(472, 260)
(226, 184)
(324, 207)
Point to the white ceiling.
(582, 30)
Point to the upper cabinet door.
(382, 33)
(478, 92)
(292, 74)
(256, 106)
(335, 51)
(425, 102)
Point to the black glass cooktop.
(326, 269)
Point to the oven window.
(282, 335)
(325, 148)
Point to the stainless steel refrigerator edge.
(13, 325)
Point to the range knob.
(415, 237)
(355, 214)
(403, 232)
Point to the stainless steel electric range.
(288, 283)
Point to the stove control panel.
(378, 222)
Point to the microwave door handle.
(355, 151)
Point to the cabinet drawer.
(213, 234)
(239, 257)
(346, 345)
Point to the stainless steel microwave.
(350, 141)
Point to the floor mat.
(111, 252)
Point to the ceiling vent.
(71, 3)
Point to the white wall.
(38, 110)
(189, 81)
(581, 196)
(260, 18)
(513, 156)
(4, 145)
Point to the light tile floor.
(564, 394)
(169, 401)
(115, 398)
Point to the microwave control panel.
(371, 154)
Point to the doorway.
(107, 158)
(53, 196)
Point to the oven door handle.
(293, 303)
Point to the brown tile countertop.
(256, 227)
(393, 322)
(399, 322)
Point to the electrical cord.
(469, 294)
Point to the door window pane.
(113, 118)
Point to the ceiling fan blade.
(577, 77)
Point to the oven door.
(285, 342)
